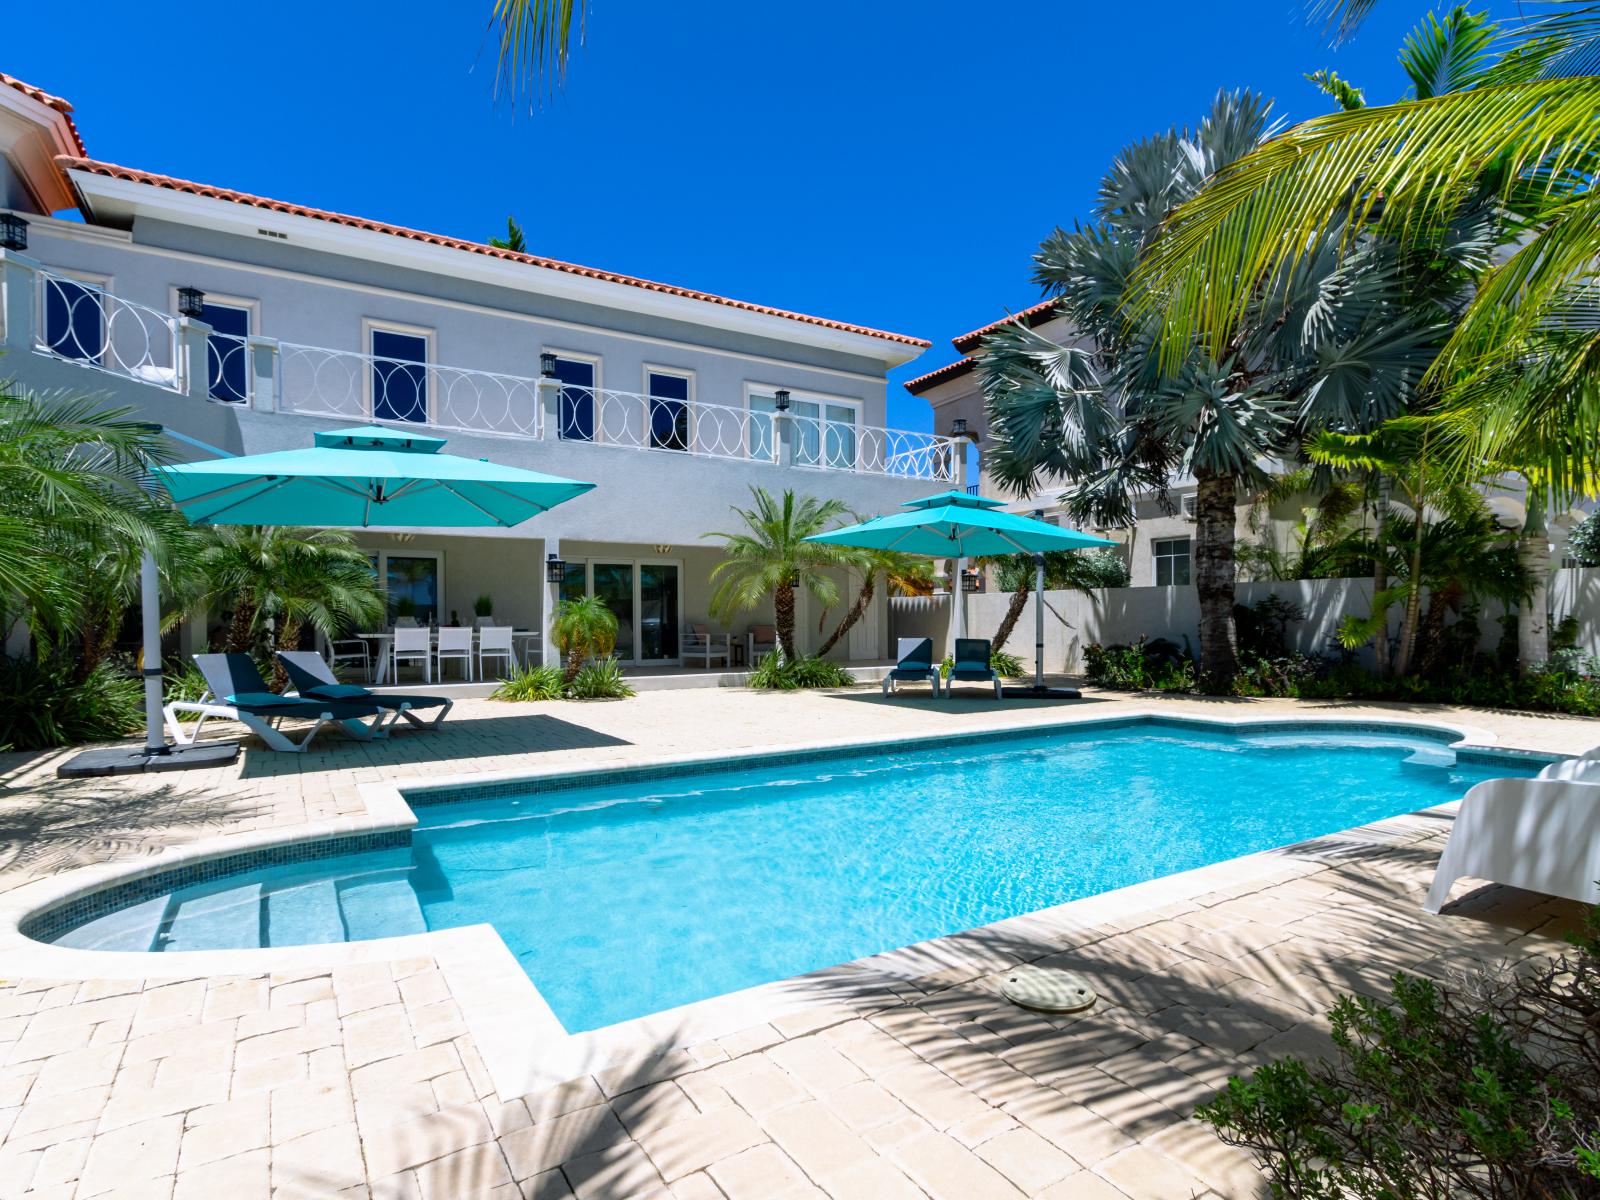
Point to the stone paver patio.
(363, 1081)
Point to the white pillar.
(155, 739)
(550, 405)
(549, 652)
(18, 282)
(193, 367)
(264, 381)
(1038, 620)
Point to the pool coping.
(523, 1045)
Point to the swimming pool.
(634, 895)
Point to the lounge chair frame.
(262, 721)
(313, 666)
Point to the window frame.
(822, 400)
(371, 325)
(89, 279)
(252, 309)
(687, 375)
(596, 362)
(1158, 557)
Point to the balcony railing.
(79, 322)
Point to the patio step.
(381, 908)
(229, 920)
(305, 915)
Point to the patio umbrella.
(371, 475)
(959, 525)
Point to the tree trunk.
(783, 617)
(241, 626)
(1019, 601)
(288, 639)
(1380, 579)
(1533, 618)
(1413, 614)
(1214, 573)
(855, 613)
(1430, 641)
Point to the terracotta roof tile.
(111, 170)
(1030, 316)
(45, 98)
(937, 376)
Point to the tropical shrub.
(1488, 1086)
(1007, 666)
(1158, 665)
(483, 606)
(540, 682)
(1583, 543)
(600, 679)
(181, 680)
(584, 628)
(44, 703)
(777, 673)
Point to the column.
(193, 367)
(264, 381)
(549, 652)
(18, 282)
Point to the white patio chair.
(494, 641)
(763, 640)
(411, 644)
(700, 642)
(455, 644)
(1540, 834)
(351, 651)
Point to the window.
(74, 319)
(761, 438)
(1172, 561)
(578, 376)
(227, 355)
(839, 436)
(669, 409)
(1188, 505)
(413, 587)
(399, 375)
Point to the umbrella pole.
(1038, 622)
(958, 603)
(155, 740)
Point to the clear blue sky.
(894, 168)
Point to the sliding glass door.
(643, 596)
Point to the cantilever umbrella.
(371, 475)
(961, 526)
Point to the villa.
(247, 324)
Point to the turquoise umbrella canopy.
(958, 525)
(354, 478)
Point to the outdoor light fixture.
(555, 571)
(958, 427)
(13, 232)
(191, 302)
(781, 400)
(547, 364)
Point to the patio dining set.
(475, 651)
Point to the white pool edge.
(523, 1046)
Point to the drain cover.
(1047, 989)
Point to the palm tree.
(1085, 571)
(1341, 343)
(1516, 382)
(533, 36)
(770, 557)
(297, 574)
(584, 628)
(513, 240)
(905, 575)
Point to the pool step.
(305, 915)
(229, 920)
(381, 907)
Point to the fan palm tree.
(1341, 343)
(904, 574)
(770, 557)
(584, 628)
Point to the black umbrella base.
(1030, 692)
(121, 760)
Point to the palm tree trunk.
(241, 627)
(1533, 623)
(1380, 578)
(1430, 640)
(1019, 601)
(1413, 615)
(1215, 571)
(783, 617)
(288, 639)
(856, 612)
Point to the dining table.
(522, 642)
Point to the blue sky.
(896, 168)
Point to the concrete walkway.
(363, 1082)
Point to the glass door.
(658, 612)
(613, 583)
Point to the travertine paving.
(363, 1081)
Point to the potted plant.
(483, 609)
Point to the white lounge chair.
(700, 642)
(1541, 834)
(236, 692)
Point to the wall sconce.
(547, 365)
(781, 400)
(13, 232)
(555, 571)
(958, 427)
(191, 302)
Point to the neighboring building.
(674, 402)
(1158, 548)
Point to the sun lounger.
(314, 679)
(1542, 834)
(916, 663)
(236, 692)
(972, 665)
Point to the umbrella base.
(121, 760)
(1030, 692)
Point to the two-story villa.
(249, 324)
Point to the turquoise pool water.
(624, 899)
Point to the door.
(658, 612)
(613, 583)
(669, 410)
(576, 417)
(399, 376)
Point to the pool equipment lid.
(1047, 989)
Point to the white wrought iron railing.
(79, 321)
(645, 422)
(873, 450)
(345, 383)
